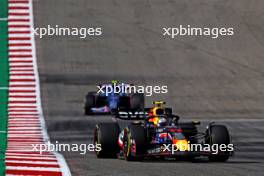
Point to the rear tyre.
(135, 140)
(124, 103)
(137, 101)
(218, 134)
(89, 103)
(106, 135)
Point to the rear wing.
(137, 115)
(132, 115)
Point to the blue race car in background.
(105, 102)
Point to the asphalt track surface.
(208, 79)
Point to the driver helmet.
(159, 111)
(161, 122)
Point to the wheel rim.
(126, 148)
(96, 140)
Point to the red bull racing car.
(160, 134)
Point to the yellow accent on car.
(159, 103)
(155, 120)
(182, 145)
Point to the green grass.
(3, 8)
(4, 77)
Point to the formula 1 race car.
(107, 100)
(162, 135)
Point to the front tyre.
(134, 142)
(218, 134)
(106, 135)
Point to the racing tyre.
(218, 134)
(124, 103)
(89, 102)
(106, 134)
(135, 140)
(137, 101)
